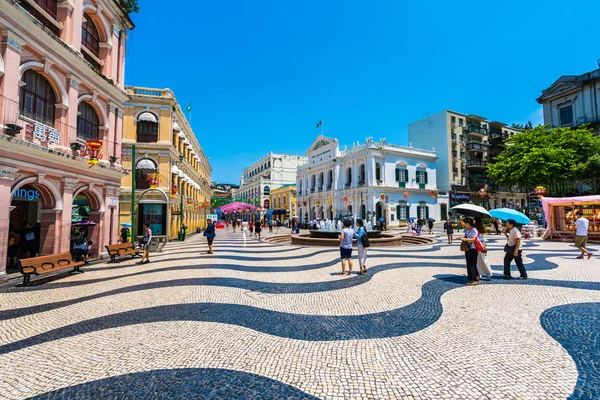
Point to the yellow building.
(170, 167)
(280, 201)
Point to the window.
(50, 6)
(566, 115)
(361, 178)
(348, 177)
(401, 177)
(87, 122)
(147, 128)
(422, 210)
(284, 200)
(37, 98)
(378, 171)
(142, 169)
(90, 38)
(401, 210)
(453, 119)
(461, 122)
(422, 179)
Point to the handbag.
(364, 240)
(465, 246)
(479, 246)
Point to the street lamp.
(181, 205)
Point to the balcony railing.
(476, 129)
(477, 163)
(348, 184)
(320, 188)
(477, 147)
(478, 181)
(362, 183)
(51, 136)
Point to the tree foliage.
(130, 6)
(543, 156)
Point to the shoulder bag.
(364, 240)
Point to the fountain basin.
(335, 234)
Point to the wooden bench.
(120, 250)
(46, 264)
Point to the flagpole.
(322, 127)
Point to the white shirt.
(582, 226)
(514, 234)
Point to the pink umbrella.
(235, 207)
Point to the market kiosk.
(560, 216)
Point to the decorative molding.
(110, 190)
(14, 44)
(8, 174)
(41, 177)
(91, 187)
(74, 83)
(69, 183)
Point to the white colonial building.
(270, 172)
(573, 100)
(370, 180)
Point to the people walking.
(449, 230)
(470, 251)
(244, 229)
(29, 241)
(430, 226)
(581, 234)
(146, 241)
(362, 250)
(513, 250)
(257, 230)
(278, 224)
(419, 226)
(346, 237)
(233, 224)
(483, 265)
(497, 225)
(210, 234)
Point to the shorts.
(210, 240)
(145, 246)
(345, 253)
(580, 241)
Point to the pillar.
(7, 177)
(12, 47)
(71, 112)
(76, 24)
(68, 185)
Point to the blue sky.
(262, 73)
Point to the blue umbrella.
(412, 219)
(509, 213)
(127, 224)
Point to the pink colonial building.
(61, 88)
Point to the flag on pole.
(189, 107)
(319, 123)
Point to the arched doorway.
(87, 217)
(34, 221)
(379, 210)
(363, 211)
(153, 208)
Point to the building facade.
(270, 172)
(281, 200)
(62, 67)
(371, 180)
(573, 100)
(169, 168)
(465, 145)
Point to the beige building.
(280, 202)
(170, 166)
(465, 144)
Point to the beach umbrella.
(509, 213)
(126, 224)
(471, 210)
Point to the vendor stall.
(560, 216)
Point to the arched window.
(330, 179)
(37, 98)
(378, 171)
(90, 39)
(147, 128)
(87, 122)
(362, 175)
(321, 178)
(142, 169)
(313, 183)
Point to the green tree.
(543, 156)
(130, 6)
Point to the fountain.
(328, 229)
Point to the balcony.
(477, 164)
(362, 183)
(497, 135)
(477, 181)
(44, 12)
(49, 137)
(328, 187)
(476, 131)
(477, 147)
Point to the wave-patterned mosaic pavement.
(259, 320)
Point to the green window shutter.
(426, 211)
(398, 213)
(397, 174)
(407, 212)
(425, 173)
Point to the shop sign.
(462, 197)
(267, 190)
(27, 194)
(113, 202)
(212, 216)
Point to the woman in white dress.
(244, 229)
(483, 265)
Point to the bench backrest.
(119, 246)
(47, 263)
